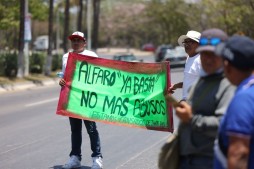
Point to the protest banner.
(116, 92)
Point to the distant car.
(128, 57)
(41, 43)
(148, 47)
(176, 57)
(161, 51)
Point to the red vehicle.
(148, 47)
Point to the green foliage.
(8, 63)
(56, 62)
(38, 9)
(9, 14)
(233, 16)
(168, 19)
(37, 62)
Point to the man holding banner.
(114, 92)
(78, 43)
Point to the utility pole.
(89, 15)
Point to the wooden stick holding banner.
(116, 92)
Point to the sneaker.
(73, 162)
(97, 163)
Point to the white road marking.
(140, 153)
(23, 145)
(41, 102)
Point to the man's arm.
(238, 152)
(64, 63)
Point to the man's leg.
(94, 138)
(95, 144)
(76, 137)
(76, 140)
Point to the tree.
(167, 19)
(80, 15)
(20, 73)
(232, 16)
(66, 25)
(50, 39)
(96, 14)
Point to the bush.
(8, 64)
(37, 62)
(11, 68)
(56, 62)
(2, 60)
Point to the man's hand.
(184, 111)
(62, 82)
(173, 87)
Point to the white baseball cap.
(194, 35)
(77, 34)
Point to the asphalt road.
(32, 136)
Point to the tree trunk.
(50, 39)
(96, 14)
(20, 73)
(85, 16)
(66, 26)
(80, 15)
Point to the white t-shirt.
(191, 73)
(85, 52)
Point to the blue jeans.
(76, 137)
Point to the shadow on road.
(60, 167)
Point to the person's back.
(234, 147)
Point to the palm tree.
(80, 15)
(20, 73)
(50, 39)
(66, 25)
(96, 14)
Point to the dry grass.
(31, 77)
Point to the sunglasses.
(211, 41)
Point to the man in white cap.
(78, 43)
(192, 69)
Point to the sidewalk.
(45, 81)
(26, 84)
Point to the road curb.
(26, 85)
